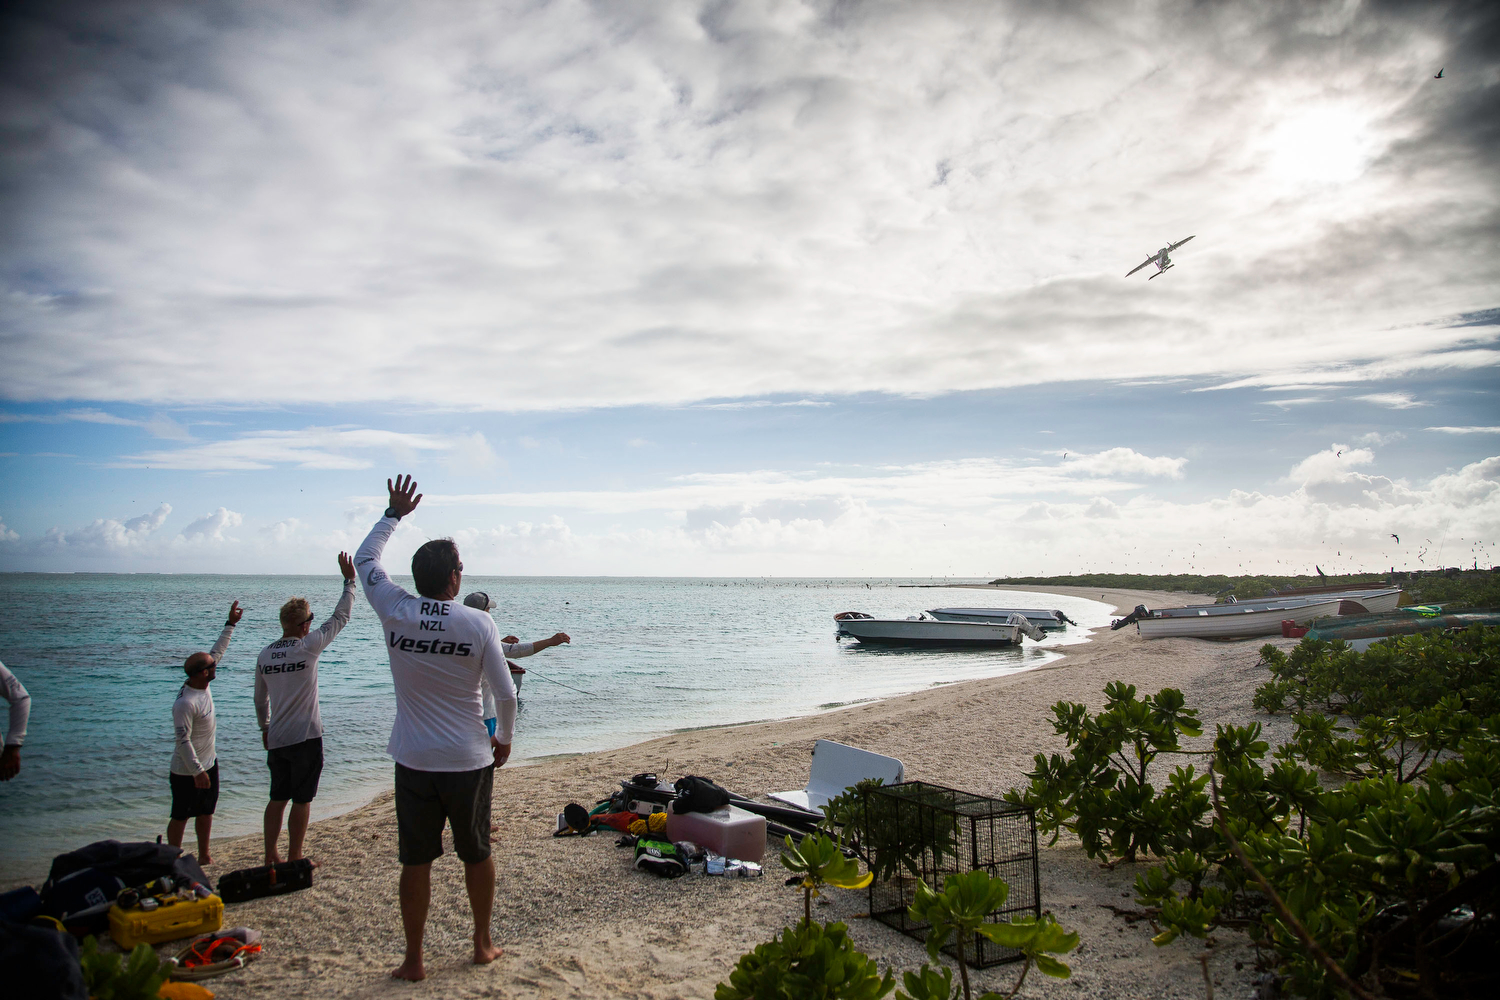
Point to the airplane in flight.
(1160, 259)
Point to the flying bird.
(1397, 538)
(1440, 74)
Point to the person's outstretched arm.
(495, 671)
(221, 644)
(318, 640)
(383, 593)
(516, 650)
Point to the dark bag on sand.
(267, 880)
(699, 795)
(132, 864)
(20, 905)
(41, 963)
(81, 900)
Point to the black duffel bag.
(698, 795)
(132, 864)
(267, 880)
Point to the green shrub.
(808, 962)
(138, 978)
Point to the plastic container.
(1291, 630)
(178, 918)
(732, 832)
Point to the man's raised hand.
(235, 614)
(346, 566)
(404, 495)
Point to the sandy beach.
(576, 920)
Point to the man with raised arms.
(286, 706)
(20, 710)
(195, 760)
(445, 758)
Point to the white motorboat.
(1232, 621)
(926, 631)
(1047, 621)
(1371, 600)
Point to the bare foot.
(273, 859)
(204, 859)
(486, 952)
(410, 971)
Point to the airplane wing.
(1179, 243)
(1142, 264)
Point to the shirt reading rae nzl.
(438, 652)
(286, 680)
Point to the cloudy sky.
(746, 288)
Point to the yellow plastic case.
(179, 919)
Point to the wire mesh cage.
(919, 832)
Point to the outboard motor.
(1021, 622)
(1141, 611)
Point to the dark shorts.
(295, 770)
(425, 799)
(188, 800)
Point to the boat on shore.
(1370, 599)
(1232, 621)
(1047, 621)
(1362, 631)
(926, 632)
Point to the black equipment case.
(267, 880)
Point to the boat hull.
(1404, 622)
(1047, 621)
(1371, 600)
(1232, 624)
(930, 634)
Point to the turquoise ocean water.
(102, 658)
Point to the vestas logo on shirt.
(440, 646)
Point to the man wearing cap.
(445, 760)
(20, 710)
(195, 763)
(513, 649)
(286, 706)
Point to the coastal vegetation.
(814, 960)
(1363, 851)
(1456, 588)
(111, 976)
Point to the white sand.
(576, 920)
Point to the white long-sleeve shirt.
(438, 651)
(286, 680)
(20, 707)
(193, 720)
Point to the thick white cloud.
(211, 526)
(106, 536)
(570, 204)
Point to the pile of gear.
(644, 808)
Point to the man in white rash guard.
(445, 759)
(20, 710)
(286, 706)
(513, 648)
(195, 762)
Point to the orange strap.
(197, 956)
